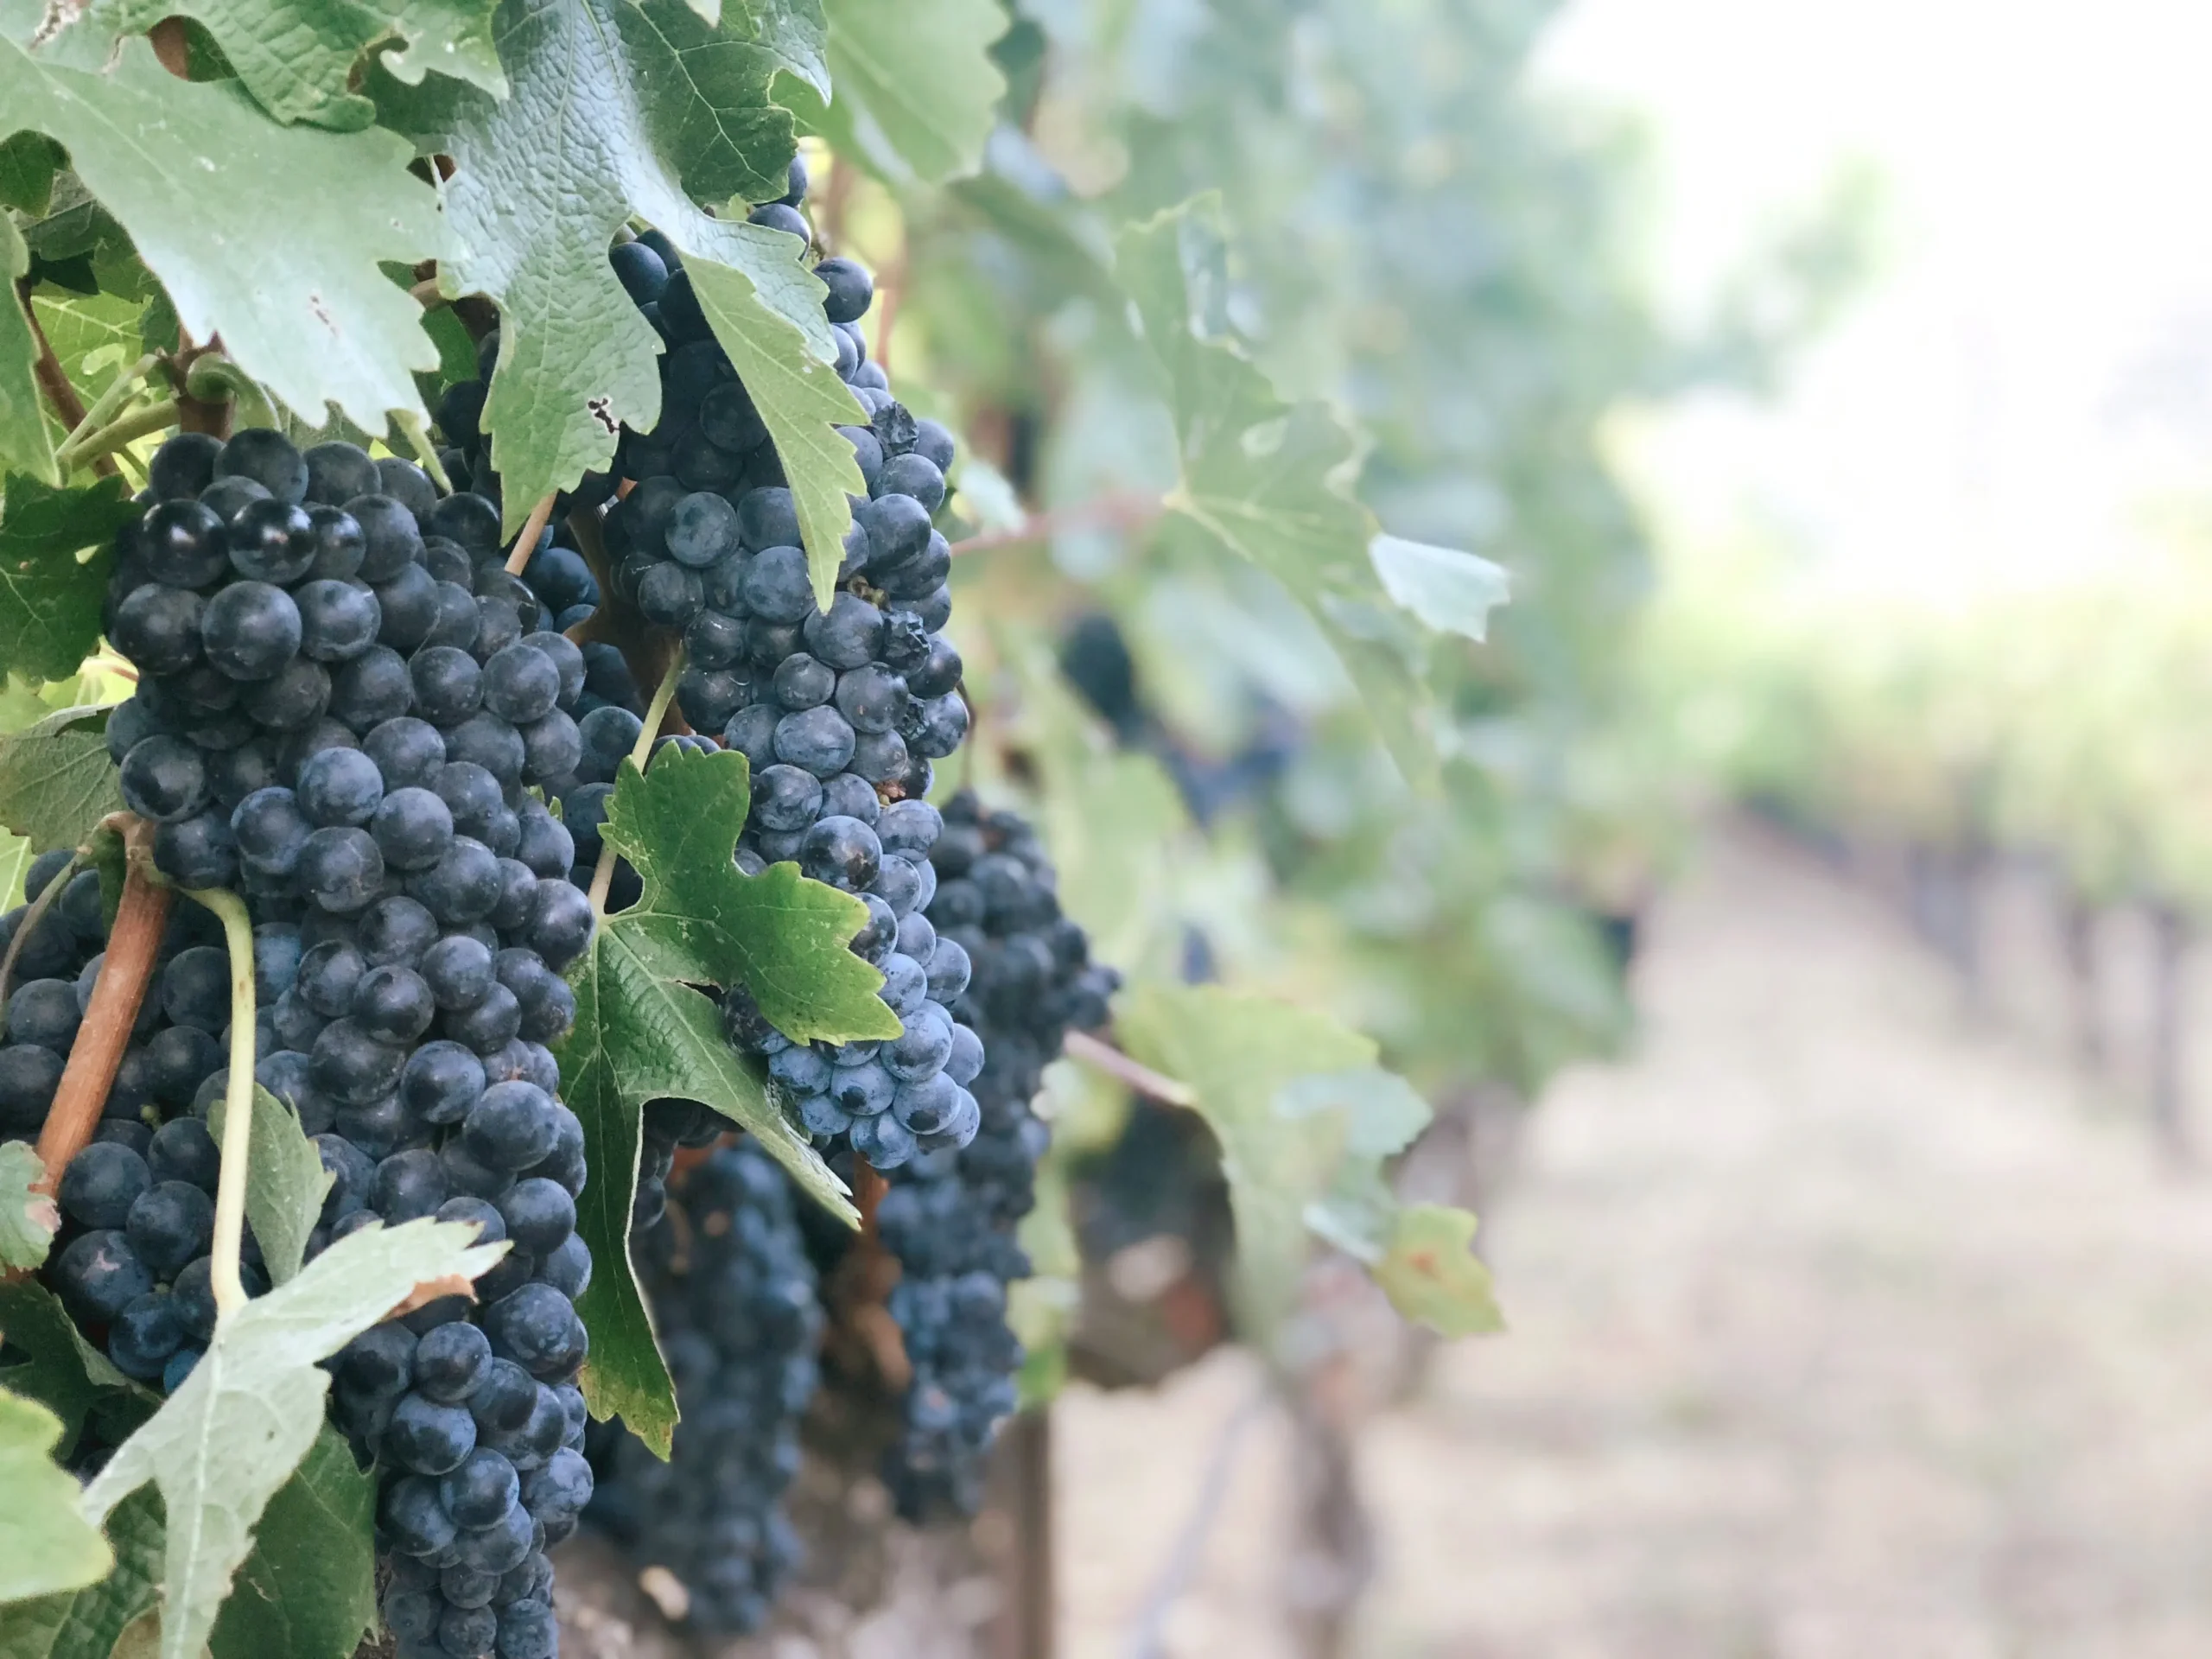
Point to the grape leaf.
(640, 1037)
(285, 1182)
(62, 1370)
(1263, 480)
(701, 919)
(29, 1219)
(26, 445)
(28, 162)
(1237, 1052)
(917, 92)
(642, 1032)
(44, 1546)
(231, 1435)
(56, 780)
(795, 31)
(86, 1624)
(617, 109)
(1449, 591)
(92, 333)
(310, 1589)
(297, 57)
(803, 402)
(49, 600)
(306, 312)
(1430, 1276)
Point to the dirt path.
(1837, 1332)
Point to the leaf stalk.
(228, 1283)
(104, 440)
(603, 876)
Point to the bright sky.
(2033, 367)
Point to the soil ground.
(1841, 1329)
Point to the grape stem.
(532, 528)
(32, 918)
(101, 439)
(110, 401)
(126, 969)
(603, 876)
(1124, 510)
(425, 294)
(238, 1100)
(1095, 1051)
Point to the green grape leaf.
(803, 402)
(26, 444)
(625, 1375)
(285, 1182)
(297, 59)
(87, 1624)
(49, 598)
(93, 335)
(617, 109)
(1264, 480)
(917, 91)
(62, 1371)
(56, 780)
(1430, 1273)
(45, 1545)
(310, 1589)
(1238, 1053)
(29, 1219)
(640, 1037)
(231, 1435)
(307, 312)
(794, 30)
(29, 162)
(702, 920)
(1447, 590)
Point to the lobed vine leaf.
(310, 1589)
(88, 1623)
(46, 1547)
(617, 109)
(29, 1217)
(231, 1435)
(1238, 1052)
(285, 1182)
(702, 920)
(297, 57)
(1265, 480)
(307, 312)
(1446, 589)
(56, 780)
(62, 1371)
(26, 445)
(916, 91)
(803, 403)
(1430, 1276)
(49, 598)
(29, 162)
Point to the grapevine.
(546, 982)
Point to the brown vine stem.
(426, 294)
(532, 528)
(1124, 510)
(53, 382)
(125, 972)
(888, 292)
(602, 877)
(1094, 1052)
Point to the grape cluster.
(842, 713)
(131, 1264)
(343, 703)
(950, 1216)
(733, 1295)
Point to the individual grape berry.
(251, 629)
